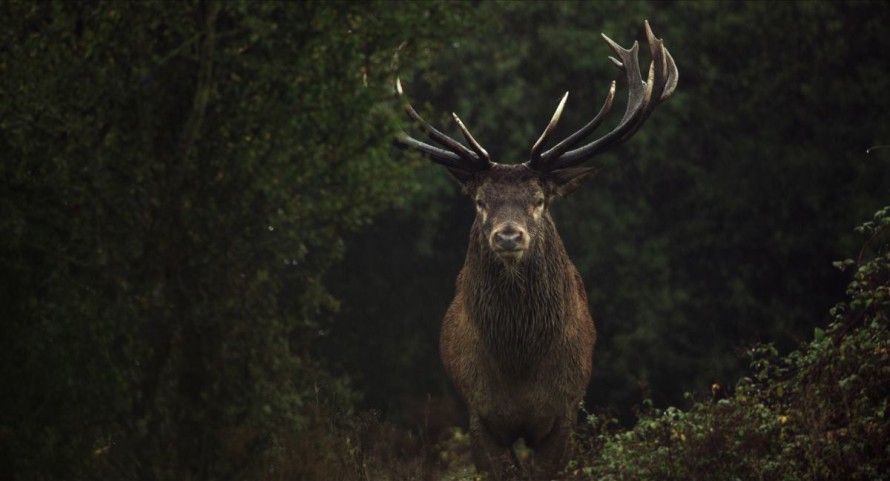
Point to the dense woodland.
(215, 264)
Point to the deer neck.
(519, 309)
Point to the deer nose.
(508, 238)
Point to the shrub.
(818, 413)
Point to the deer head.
(512, 200)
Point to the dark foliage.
(176, 179)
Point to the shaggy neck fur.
(519, 309)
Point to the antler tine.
(437, 155)
(438, 137)
(482, 153)
(643, 97)
(581, 134)
(456, 155)
(671, 68)
(535, 159)
(656, 84)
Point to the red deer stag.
(517, 340)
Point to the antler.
(643, 97)
(455, 156)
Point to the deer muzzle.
(509, 239)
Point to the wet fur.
(517, 340)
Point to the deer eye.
(480, 204)
(539, 202)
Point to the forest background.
(211, 251)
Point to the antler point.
(649, 33)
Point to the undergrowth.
(818, 413)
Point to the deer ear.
(565, 181)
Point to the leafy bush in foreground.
(819, 413)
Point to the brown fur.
(517, 340)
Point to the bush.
(819, 413)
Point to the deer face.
(510, 203)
